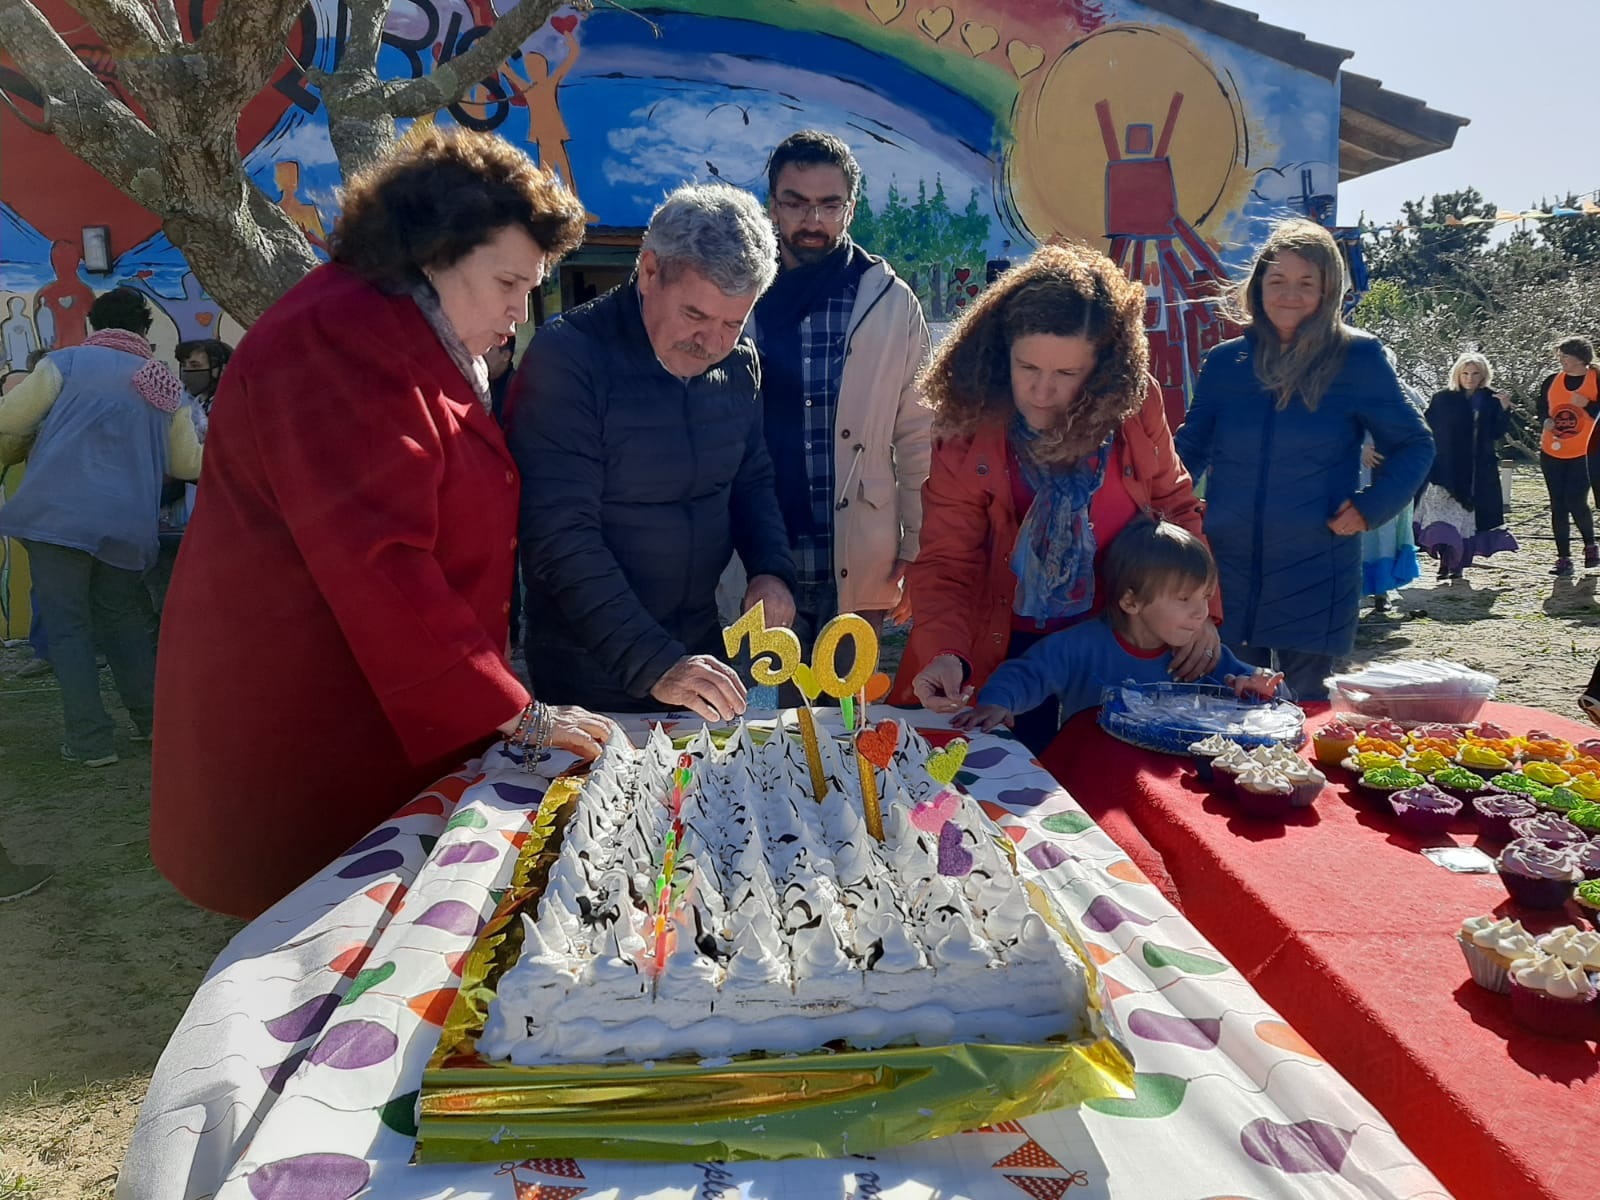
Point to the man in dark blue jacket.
(636, 422)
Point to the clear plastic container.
(1167, 717)
(1414, 693)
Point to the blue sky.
(1524, 73)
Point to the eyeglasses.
(799, 210)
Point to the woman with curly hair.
(1049, 438)
(335, 635)
(1278, 420)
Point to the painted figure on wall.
(17, 335)
(1153, 243)
(62, 306)
(972, 130)
(302, 212)
(536, 87)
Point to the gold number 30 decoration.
(775, 653)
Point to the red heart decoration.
(964, 274)
(203, 318)
(877, 744)
(972, 289)
(563, 24)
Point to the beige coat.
(882, 431)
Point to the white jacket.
(882, 434)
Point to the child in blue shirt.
(1159, 579)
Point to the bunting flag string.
(1587, 207)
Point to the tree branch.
(78, 109)
(363, 36)
(449, 81)
(361, 132)
(166, 14)
(246, 42)
(125, 26)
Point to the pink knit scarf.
(156, 385)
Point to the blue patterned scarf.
(1054, 556)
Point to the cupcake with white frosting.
(1550, 997)
(1490, 945)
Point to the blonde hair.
(1470, 358)
(1308, 364)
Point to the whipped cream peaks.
(1573, 946)
(1546, 973)
(789, 927)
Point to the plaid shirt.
(822, 346)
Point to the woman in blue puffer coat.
(1277, 421)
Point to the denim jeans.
(36, 634)
(90, 602)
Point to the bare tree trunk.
(179, 155)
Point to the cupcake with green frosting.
(1383, 782)
(1560, 800)
(1516, 781)
(1587, 898)
(1586, 816)
(1460, 782)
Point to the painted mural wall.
(984, 127)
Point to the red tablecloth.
(1348, 931)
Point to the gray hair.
(717, 231)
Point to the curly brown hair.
(1067, 290)
(438, 195)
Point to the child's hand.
(1260, 684)
(983, 718)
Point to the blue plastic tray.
(1210, 708)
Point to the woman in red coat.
(1049, 437)
(335, 636)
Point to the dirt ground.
(96, 970)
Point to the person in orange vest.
(1568, 403)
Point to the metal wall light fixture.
(97, 249)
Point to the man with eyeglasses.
(841, 339)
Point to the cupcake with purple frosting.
(1425, 809)
(1496, 812)
(1537, 875)
(1586, 857)
(1549, 829)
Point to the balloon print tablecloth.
(294, 1073)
